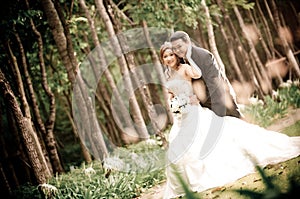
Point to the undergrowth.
(265, 111)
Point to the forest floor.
(281, 171)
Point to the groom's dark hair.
(180, 35)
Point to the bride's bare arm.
(191, 72)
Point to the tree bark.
(267, 86)
(260, 39)
(137, 115)
(85, 107)
(161, 77)
(47, 128)
(287, 49)
(33, 100)
(263, 43)
(211, 38)
(86, 154)
(29, 136)
(100, 68)
(4, 155)
(228, 40)
(266, 29)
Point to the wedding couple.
(209, 144)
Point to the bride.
(207, 150)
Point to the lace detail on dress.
(180, 87)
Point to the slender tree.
(265, 83)
(211, 37)
(110, 80)
(287, 49)
(24, 124)
(228, 40)
(266, 29)
(47, 130)
(137, 115)
(80, 90)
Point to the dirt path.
(292, 117)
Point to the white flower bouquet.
(178, 103)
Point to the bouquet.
(178, 103)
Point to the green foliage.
(271, 190)
(275, 107)
(26, 191)
(265, 113)
(164, 13)
(154, 12)
(93, 181)
(243, 3)
(290, 94)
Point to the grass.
(293, 130)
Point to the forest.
(81, 78)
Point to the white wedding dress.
(209, 151)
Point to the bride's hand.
(194, 100)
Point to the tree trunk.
(263, 43)
(47, 128)
(287, 49)
(137, 115)
(67, 35)
(135, 80)
(86, 154)
(200, 37)
(159, 71)
(266, 29)
(138, 79)
(228, 40)
(257, 33)
(29, 136)
(267, 86)
(239, 51)
(4, 155)
(4, 179)
(84, 106)
(100, 68)
(34, 103)
(211, 38)
(22, 155)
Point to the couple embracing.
(211, 124)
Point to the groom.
(221, 98)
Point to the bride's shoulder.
(185, 65)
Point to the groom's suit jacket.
(220, 95)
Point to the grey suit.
(217, 84)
